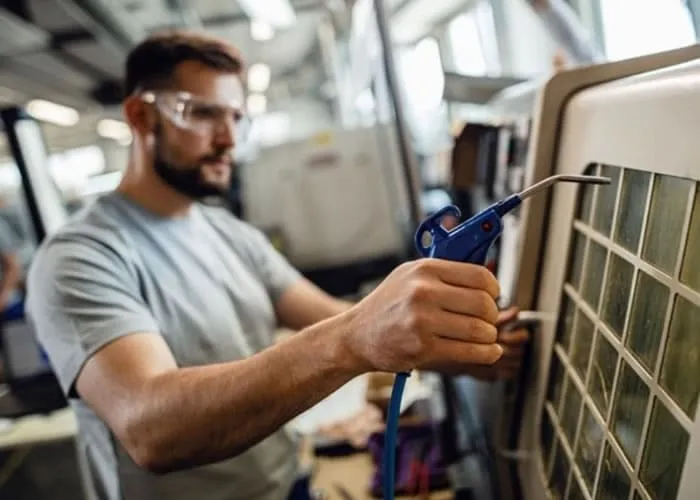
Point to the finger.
(449, 222)
(507, 315)
(456, 352)
(463, 275)
(478, 303)
(461, 327)
(514, 338)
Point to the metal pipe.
(693, 7)
(564, 25)
(544, 184)
(407, 157)
(186, 12)
(112, 19)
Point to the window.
(72, 172)
(623, 388)
(422, 75)
(472, 39)
(641, 27)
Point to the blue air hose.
(390, 435)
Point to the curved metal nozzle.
(544, 184)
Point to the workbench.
(38, 429)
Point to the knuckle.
(486, 307)
(487, 281)
(419, 291)
(407, 266)
(414, 347)
(492, 314)
(494, 353)
(481, 332)
(484, 301)
(414, 322)
(426, 266)
(489, 333)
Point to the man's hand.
(427, 314)
(513, 342)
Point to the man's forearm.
(200, 415)
(304, 304)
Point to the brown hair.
(152, 62)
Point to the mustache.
(217, 156)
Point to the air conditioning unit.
(608, 406)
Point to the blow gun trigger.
(431, 231)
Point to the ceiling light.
(277, 13)
(114, 129)
(51, 112)
(261, 31)
(257, 104)
(259, 77)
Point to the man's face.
(196, 131)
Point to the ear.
(139, 115)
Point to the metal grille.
(623, 389)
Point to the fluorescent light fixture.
(423, 94)
(261, 31)
(259, 77)
(277, 13)
(51, 112)
(114, 129)
(257, 104)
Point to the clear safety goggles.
(199, 115)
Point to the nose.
(225, 136)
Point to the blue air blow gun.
(470, 242)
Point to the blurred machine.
(31, 384)
(335, 205)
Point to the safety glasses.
(199, 115)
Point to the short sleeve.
(273, 268)
(81, 296)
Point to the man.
(158, 312)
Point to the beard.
(187, 180)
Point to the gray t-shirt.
(206, 283)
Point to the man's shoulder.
(95, 226)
